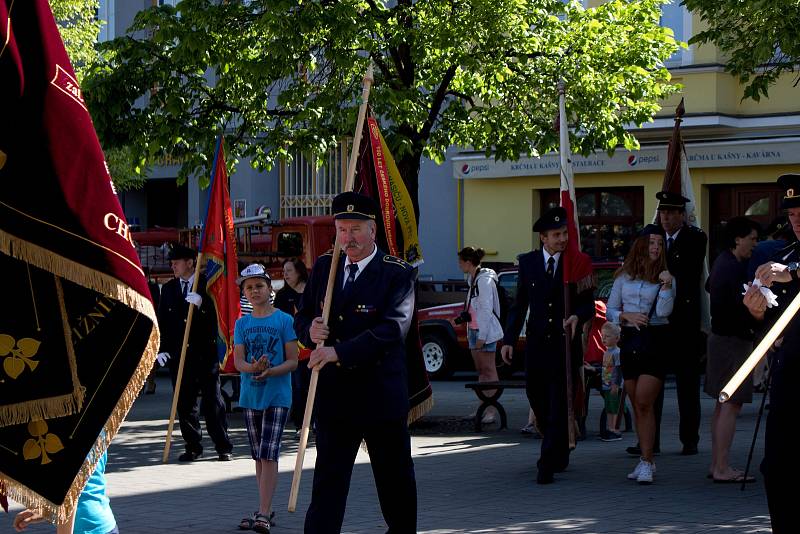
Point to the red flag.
(218, 245)
(79, 332)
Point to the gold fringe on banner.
(113, 288)
(38, 409)
(420, 409)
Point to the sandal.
(261, 523)
(247, 522)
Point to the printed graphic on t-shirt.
(263, 341)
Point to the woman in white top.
(640, 302)
(482, 315)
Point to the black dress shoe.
(689, 450)
(637, 451)
(544, 477)
(225, 456)
(189, 456)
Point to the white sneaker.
(634, 475)
(646, 473)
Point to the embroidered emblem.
(42, 443)
(350, 207)
(63, 81)
(18, 354)
(790, 193)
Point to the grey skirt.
(725, 356)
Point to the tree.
(761, 37)
(285, 75)
(79, 29)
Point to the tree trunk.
(408, 166)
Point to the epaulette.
(397, 261)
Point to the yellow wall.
(499, 213)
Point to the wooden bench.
(480, 389)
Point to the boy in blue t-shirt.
(265, 353)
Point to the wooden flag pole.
(185, 345)
(766, 342)
(563, 134)
(326, 308)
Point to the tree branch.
(438, 100)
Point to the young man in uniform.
(540, 289)
(201, 368)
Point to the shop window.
(759, 207)
(609, 218)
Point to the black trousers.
(780, 467)
(546, 387)
(389, 448)
(685, 363)
(202, 379)
(301, 378)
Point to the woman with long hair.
(482, 315)
(641, 300)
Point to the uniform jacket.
(685, 262)
(368, 324)
(544, 297)
(172, 312)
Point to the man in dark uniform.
(362, 391)
(201, 368)
(780, 467)
(686, 253)
(540, 288)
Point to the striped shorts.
(264, 430)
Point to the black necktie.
(670, 241)
(185, 286)
(351, 276)
(551, 267)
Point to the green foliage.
(761, 38)
(79, 30)
(285, 75)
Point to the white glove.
(162, 358)
(772, 299)
(194, 298)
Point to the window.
(675, 16)
(105, 14)
(309, 183)
(609, 218)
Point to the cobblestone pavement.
(467, 482)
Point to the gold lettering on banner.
(118, 225)
(68, 85)
(84, 325)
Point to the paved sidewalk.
(467, 482)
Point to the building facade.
(735, 148)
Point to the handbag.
(633, 341)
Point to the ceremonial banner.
(78, 333)
(677, 179)
(577, 266)
(377, 176)
(218, 246)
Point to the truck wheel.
(436, 353)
